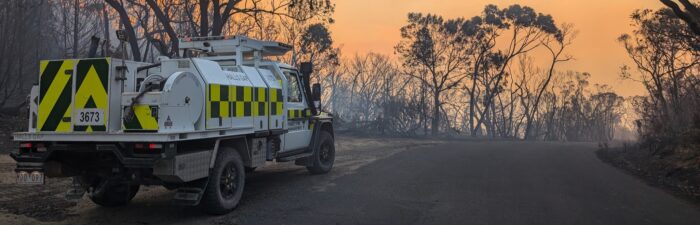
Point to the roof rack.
(237, 45)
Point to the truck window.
(293, 88)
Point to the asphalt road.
(433, 183)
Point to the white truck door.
(297, 114)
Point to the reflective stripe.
(260, 106)
(298, 113)
(55, 97)
(225, 101)
(91, 88)
(144, 119)
(276, 102)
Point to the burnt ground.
(677, 175)
(43, 203)
(397, 181)
(8, 125)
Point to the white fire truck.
(194, 124)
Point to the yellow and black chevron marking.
(91, 86)
(55, 97)
(298, 113)
(144, 118)
(276, 102)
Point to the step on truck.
(194, 124)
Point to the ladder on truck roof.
(238, 47)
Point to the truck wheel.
(115, 194)
(324, 156)
(226, 183)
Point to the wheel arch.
(320, 126)
(327, 126)
(240, 144)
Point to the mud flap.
(191, 194)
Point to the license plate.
(89, 117)
(30, 178)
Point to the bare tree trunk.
(165, 21)
(691, 16)
(567, 35)
(472, 100)
(436, 114)
(128, 28)
(220, 18)
(105, 22)
(76, 30)
(204, 17)
(424, 113)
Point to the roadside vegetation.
(665, 51)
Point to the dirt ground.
(675, 174)
(47, 205)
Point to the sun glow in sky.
(364, 26)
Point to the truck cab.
(194, 124)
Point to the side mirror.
(306, 68)
(316, 98)
(316, 92)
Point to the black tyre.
(324, 156)
(226, 183)
(115, 195)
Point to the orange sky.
(373, 26)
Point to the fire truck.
(194, 124)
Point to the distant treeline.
(475, 77)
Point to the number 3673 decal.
(89, 117)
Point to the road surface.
(426, 182)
